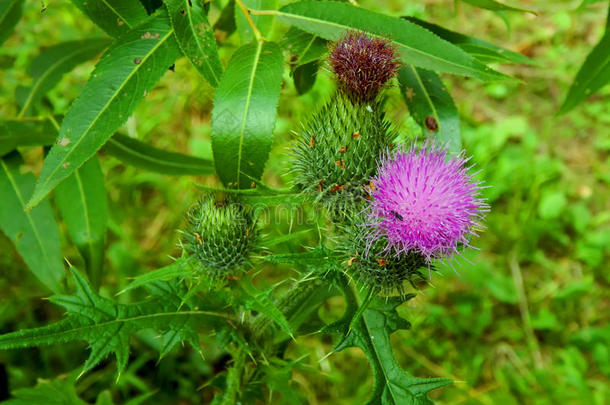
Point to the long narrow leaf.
(48, 68)
(82, 202)
(196, 38)
(34, 233)
(431, 105)
(128, 70)
(10, 14)
(244, 113)
(417, 46)
(27, 132)
(116, 17)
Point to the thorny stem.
(234, 378)
(246, 12)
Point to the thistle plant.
(395, 210)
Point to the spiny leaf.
(128, 70)
(178, 269)
(60, 391)
(482, 50)
(416, 46)
(34, 233)
(371, 333)
(139, 154)
(263, 23)
(116, 17)
(592, 76)
(81, 199)
(10, 14)
(431, 105)
(244, 113)
(106, 325)
(196, 37)
(48, 68)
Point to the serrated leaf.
(81, 200)
(416, 46)
(26, 132)
(431, 105)
(262, 22)
(126, 72)
(10, 14)
(195, 36)
(494, 5)
(106, 325)
(60, 391)
(244, 113)
(482, 50)
(139, 154)
(371, 333)
(34, 233)
(260, 301)
(592, 76)
(116, 17)
(48, 68)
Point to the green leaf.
(482, 50)
(10, 14)
(416, 46)
(431, 105)
(139, 154)
(196, 37)
(26, 132)
(48, 68)
(127, 71)
(116, 17)
(494, 5)
(264, 23)
(104, 324)
(178, 269)
(371, 333)
(81, 199)
(592, 76)
(244, 112)
(303, 47)
(260, 301)
(34, 233)
(226, 20)
(320, 259)
(60, 391)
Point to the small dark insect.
(182, 12)
(137, 61)
(173, 67)
(431, 123)
(396, 215)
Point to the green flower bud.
(219, 236)
(338, 149)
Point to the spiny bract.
(220, 235)
(338, 150)
(425, 202)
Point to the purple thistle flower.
(423, 202)
(363, 64)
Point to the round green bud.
(219, 235)
(338, 150)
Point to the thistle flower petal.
(424, 202)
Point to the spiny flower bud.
(363, 64)
(219, 235)
(338, 149)
(424, 202)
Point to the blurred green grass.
(526, 322)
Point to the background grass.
(525, 322)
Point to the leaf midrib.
(426, 95)
(104, 108)
(280, 13)
(11, 180)
(118, 14)
(242, 130)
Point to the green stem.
(234, 378)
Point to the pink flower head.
(424, 202)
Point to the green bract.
(219, 236)
(338, 148)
